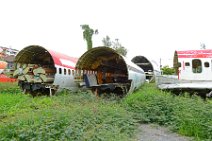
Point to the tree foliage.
(167, 70)
(87, 35)
(106, 41)
(116, 45)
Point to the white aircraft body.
(40, 70)
(193, 72)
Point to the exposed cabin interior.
(105, 69)
(34, 65)
(146, 65)
(35, 55)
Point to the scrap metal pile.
(34, 73)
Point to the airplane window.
(196, 66)
(206, 64)
(72, 72)
(69, 71)
(60, 71)
(64, 71)
(187, 64)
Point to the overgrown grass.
(82, 116)
(190, 116)
(9, 88)
(64, 117)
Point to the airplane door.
(185, 70)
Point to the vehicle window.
(196, 66)
(187, 64)
(64, 71)
(206, 64)
(69, 71)
(60, 71)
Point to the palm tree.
(87, 35)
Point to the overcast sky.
(153, 28)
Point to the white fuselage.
(64, 78)
(189, 71)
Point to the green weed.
(9, 88)
(189, 116)
(68, 116)
(82, 116)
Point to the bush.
(167, 70)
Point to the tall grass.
(64, 117)
(82, 116)
(190, 116)
(9, 88)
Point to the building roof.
(9, 58)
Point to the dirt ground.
(150, 132)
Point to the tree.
(106, 41)
(116, 45)
(119, 48)
(168, 71)
(87, 35)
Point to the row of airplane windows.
(196, 65)
(74, 72)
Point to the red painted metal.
(4, 78)
(206, 53)
(57, 57)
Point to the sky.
(151, 28)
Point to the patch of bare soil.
(150, 132)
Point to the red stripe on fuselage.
(205, 51)
(195, 56)
(58, 56)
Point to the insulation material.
(41, 70)
(21, 77)
(18, 72)
(47, 78)
(27, 70)
(18, 65)
(31, 65)
(37, 79)
(32, 73)
(24, 66)
(29, 78)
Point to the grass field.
(82, 116)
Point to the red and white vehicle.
(63, 67)
(193, 72)
(100, 68)
(103, 69)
